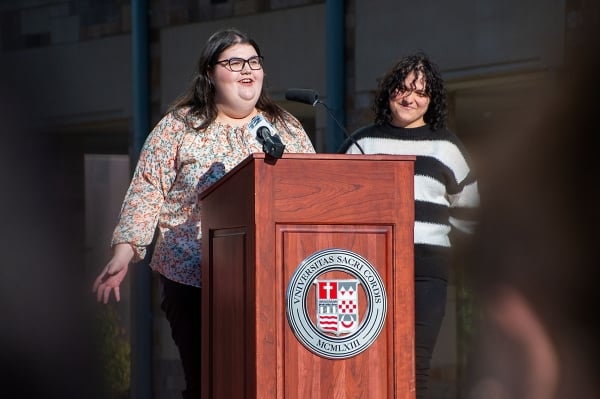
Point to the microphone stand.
(311, 97)
(340, 125)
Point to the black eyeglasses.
(235, 64)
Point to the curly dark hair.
(394, 80)
(200, 94)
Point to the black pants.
(430, 306)
(181, 304)
(432, 268)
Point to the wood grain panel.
(259, 222)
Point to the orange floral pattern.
(176, 163)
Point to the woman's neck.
(236, 119)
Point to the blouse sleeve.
(153, 177)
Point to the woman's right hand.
(113, 273)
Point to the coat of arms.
(337, 306)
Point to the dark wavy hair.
(200, 95)
(394, 80)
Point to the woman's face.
(409, 106)
(237, 92)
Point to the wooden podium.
(262, 221)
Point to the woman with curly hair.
(410, 109)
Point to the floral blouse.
(176, 163)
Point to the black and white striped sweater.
(446, 191)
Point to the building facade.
(73, 60)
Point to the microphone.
(305, 96)
(271, 144)
(311, 97)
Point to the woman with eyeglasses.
(204, 135)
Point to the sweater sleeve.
(153, 177)
(462, 187)
(463, 208)
(464, 204)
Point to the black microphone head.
(271, 144)
(306, 96)
(263, 132)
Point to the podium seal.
(336, 303)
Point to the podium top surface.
(326, 156)
(258, 156)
